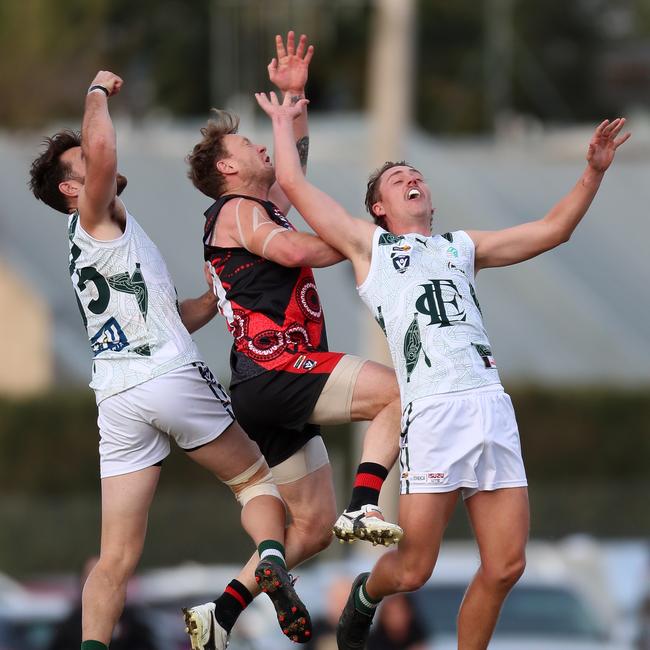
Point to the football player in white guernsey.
(150, 382)
(459, 434)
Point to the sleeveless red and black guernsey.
(279, 359)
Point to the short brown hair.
(48, 170)
(202, 161)
(372, 191)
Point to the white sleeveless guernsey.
(421, 292)
(128, 304)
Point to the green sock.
(272, 551)
(93, 645)
(363, 602)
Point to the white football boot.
(203, 628)
(352, 525)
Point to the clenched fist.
(108, 80)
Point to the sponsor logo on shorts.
(435, 478)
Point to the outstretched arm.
(351, 236)
(98, 147)
(513, 245)
(288, 71)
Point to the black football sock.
(367, 485)
(232, 602)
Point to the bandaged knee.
(256, 481)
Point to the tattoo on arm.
(303, 150)
(296, 98)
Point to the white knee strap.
(246, 489)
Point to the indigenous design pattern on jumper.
(128, 305)
(273, 312)
(421, 292)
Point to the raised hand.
(289, 109)
(288, 70)
(604, 144)
(108, 80)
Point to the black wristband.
(99, 87)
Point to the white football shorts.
(135, 426)
(467, 440)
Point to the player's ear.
(227, 166)
(70, 188)
(378, 209)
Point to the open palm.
(287, 109)
(605, 142)
(288, 71)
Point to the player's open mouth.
(413, 193)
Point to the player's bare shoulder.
(239, 219)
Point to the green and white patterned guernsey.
(128, 305)
(421, 292)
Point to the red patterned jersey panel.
(273, 312)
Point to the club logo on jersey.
(401, 262)
(109, 337)
(442, 302)
(485, 353)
